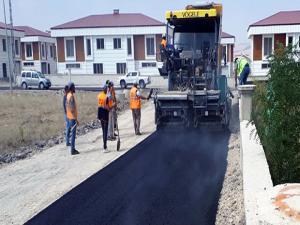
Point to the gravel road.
(231, 203)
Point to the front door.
(44, 68)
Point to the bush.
(276, 113)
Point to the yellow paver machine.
(197, 92)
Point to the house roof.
(280, 18)
(30, 31)
(111, 20)
(226, 35)
(2, 26)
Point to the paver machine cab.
(197, 92)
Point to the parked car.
(34, 79)
(132, 77)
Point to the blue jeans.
(244, 75)
(70, 125)
(67, 130)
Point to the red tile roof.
(111, 20)
(30, 31)
(281, 18)
(2, 26)
(226, 35)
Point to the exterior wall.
(108, 56)
(37, 58)
(259, 61)
(4, 57)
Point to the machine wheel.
(41, 86)
(123, 84)
(24, 86)
(142, 84)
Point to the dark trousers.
(104, 126)
(103, 117)
(244, 75)
(136, 116)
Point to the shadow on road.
(169, 178)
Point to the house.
(38, 50)
(109, 44)
(6, 51)
(227, 44)
(267, 34)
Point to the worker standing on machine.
(103, 114)
(242, 70)
(163, 42)
(135, 106)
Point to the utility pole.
(12, 38)
(7, 49)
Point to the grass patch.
(28, 117)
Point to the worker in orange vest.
(103, 114)
(72, 116)
(135, 106)
(163, 42)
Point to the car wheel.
(24, 86)
(142, 84)
(41, 86)
(123, 84)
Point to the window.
(23, 74)
(28, 63)
(98, 68)
(121, 68)
(290, 40)
(73, 66)
(100, 43)
(4, 45)
(265, 66)
(150, 64)
(43, 50)
(35, 75)
(70, 48)
(17, 49)
(117, 43)
(129, 48)
(28, 50)
(51, 51)
(88, 47)
(268, 43)
(28, 75)
(150, 46)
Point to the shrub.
(276, 113)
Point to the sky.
(237, 14)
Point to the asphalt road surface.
(169, 178)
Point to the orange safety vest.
(71, 115)
(164, 43)
(102, 100)
(135, 101)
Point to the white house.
(227, 43)
(38, 50)
(109, 44)
(5, 46)
(267, 34)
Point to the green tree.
(277, 115)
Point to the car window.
(129, 75)
(23, 74)
(28, 75)
(35, 75)
(134, 74)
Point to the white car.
(33, 79)
(132, 77)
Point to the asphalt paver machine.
(197, 92)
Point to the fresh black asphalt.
(169, 178)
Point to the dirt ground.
(231, 203)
